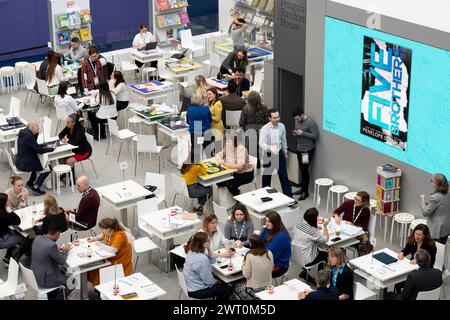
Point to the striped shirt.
(308, 238)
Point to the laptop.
(151, 45)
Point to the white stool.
(403, 219)
(60, 170)
(350, 195)
(22, 73)
(135, 120)
(147, 71)
(322, 182)
(338, 189)
(7, 78)
(416, 222)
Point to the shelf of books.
(170, 15)
(70, 19)
(388, 189)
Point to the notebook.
(385, 258)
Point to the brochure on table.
(69, 19)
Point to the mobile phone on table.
(224, 266)
(335, 239)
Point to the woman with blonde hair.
(201, 88)
(52, 214)
(341, 274)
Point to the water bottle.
(89, 251)
(76, 241)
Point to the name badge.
(305, 158)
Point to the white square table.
(348, 235)
(220, 268)
(381, 275)
(26, 217)
(123, 195)
(287, 291)
(137, 282)
(10, 135)
(60, 152)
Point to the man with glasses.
(87, 211)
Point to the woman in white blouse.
(141, 39)
(235, 156)
(106, 101)
(118, 86)
(215, 236)
(54, 75)
(63, 100)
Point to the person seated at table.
(241, 82)
(239, 226)
(27, 157)
(234, 60)
(54, 75)
(256, 269)
(201, 87)
(118, 86)
(87, 211)
(426, 278)
(235, 156)
(357, 212)
(74, 134)
(341, 274)
(215, 107)
(42, 72)
(278, 241)
(17, 194)
(308, 236)
(76, 51)
(66, 101)
(91, 70)
(231, 101)
(324, 291)
(115, 240)
(216, 237)
(198, 117)
(14, 242)
(106, 100)
(197, 271)
(140, 41)
(46, 257)
(52, 214)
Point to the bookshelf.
(69, 19)
(169, 17)
(388, 189)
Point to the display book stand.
(68, 19)
(388, 189)
(259, 14)
(170, 16)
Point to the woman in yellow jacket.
(215, 106)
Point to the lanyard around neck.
(242, 230)
(359, 213)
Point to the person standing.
(17, 194)
(437, 209)
(198, 117)
(91, 70)
(307, 133)
(27, 157)
(272, 141)
(231, 101)
(237, 31)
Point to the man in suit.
(87, 211)
(231, 101)
(27, 157)
(46, 258)
(425, 279)
(323, 291)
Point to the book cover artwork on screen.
(385, 92)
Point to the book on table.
(384, 258)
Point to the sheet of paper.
(297, 285)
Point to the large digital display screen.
(388, 93)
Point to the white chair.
(440, 254)
(61, 115)
(429, 295)
(371, 229)
(159, 181)
(144, 207)
(30, 83)
(147, 144)
(163, 72)
(9, 287)
(43, 92)
(121, 135)
(58, 171)
(30, 281)
(187, 42)
(142, 245)
(13, 167)
(46, 130)
(403, 219)
(90, 139)
(222, 214)
(14, 107)
(338, 190)
(173, 98)
(180, 188)
(297, 255)
(232, 118)
(290, 218)
(212, 62)
(190, 83)
(125, 62)
(257, 81)
(321, 182)
(361, 292)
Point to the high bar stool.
(7, 78)
(57, 172)
(22, 73)
(350, 195)
(402, 218)
(338, 189)
(416, 222)
(321, 182)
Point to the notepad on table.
(384, 258)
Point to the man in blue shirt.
(198, 117)
(324, 291)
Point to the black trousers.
(238, 180)
(220, 291)
(120, 105)
(95, 122)
(304, 169)
(321, 256)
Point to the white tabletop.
(287, 291)
(77, 257)
(26, 216)
(381, 272)
(236, 260)
(9, 135)
(138, 283)
(146, 53)
(61, 151)
(253, 201)
(348, 234)
(123, 193)
(165, 226)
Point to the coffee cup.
(269, 289)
